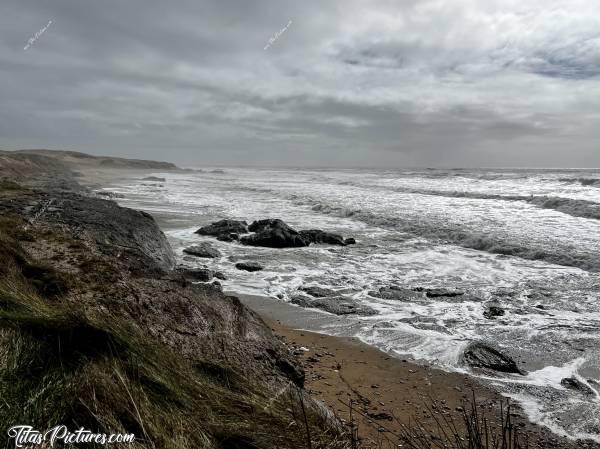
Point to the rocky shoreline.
(104, 262)
(100, 281)
(275, 233)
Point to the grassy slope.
(78, 366)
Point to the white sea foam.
(479, 231)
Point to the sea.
(524, 240)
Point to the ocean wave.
(588, 182)
(574, 207)
(466, 239)
(569, 206)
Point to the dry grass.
(474, 430)
(61, 366)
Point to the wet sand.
(386, 392)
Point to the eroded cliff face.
(120, 261)
(89, 274)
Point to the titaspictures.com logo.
(23, 435)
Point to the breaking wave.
(569, 206)
(588, 182)
(472, 240)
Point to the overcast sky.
(346, 83)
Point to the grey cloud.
(355, 84)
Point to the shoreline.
(386, 391)
(362, 363)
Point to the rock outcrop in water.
(440, 292)
(338, 305)
(572, 383)
(249, 266)
(224, 228)
(319, 236)
(331, 301)
(203, 249)
(273, 233)
(481, 355)
(493, 312)
(397, 293)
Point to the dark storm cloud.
(352, 83)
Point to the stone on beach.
(318, 292)
(481, 355)
(396, 293)
(337, 305)
(203, 249)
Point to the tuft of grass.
(473, 431)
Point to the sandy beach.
(377, 394)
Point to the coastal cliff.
(98, 331)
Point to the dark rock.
(131, 236)
(380, 416)
(261, 225)
(573, 383)
(301, 300)
(439, 292)
(318, 292)
(493, 312)
(196, 274)
(384, 325)
(396, 293)
(220, 275)
(203, 249)
(224, 228)
(481, 355)
(154, 178)
(318, 236)
(338, 305)
(350, 241)
(233, 237)
(273, 233)
(249, 266)
(292, 370)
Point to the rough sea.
(527, 241)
